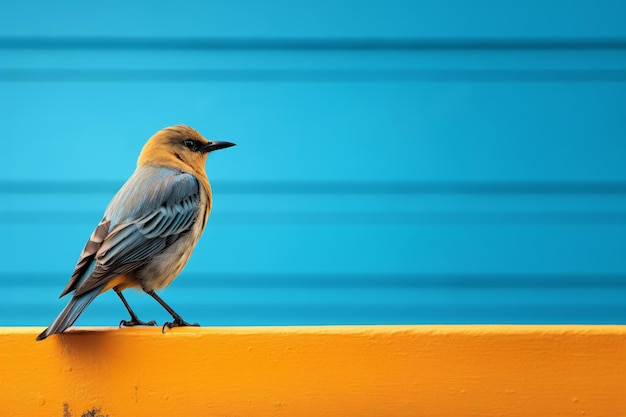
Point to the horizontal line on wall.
(422, 217)
(310, 75)
(342, 187)
(355, 280)
(38, 311)
(310, 44)
(43, 217)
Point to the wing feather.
(85, 261)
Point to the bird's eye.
(191, 144)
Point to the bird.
(149, 229)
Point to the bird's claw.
(178, 322)
(137, 322)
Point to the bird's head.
(179, 147)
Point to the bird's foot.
(178, 322)
(136, 322)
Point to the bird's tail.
(70, 313)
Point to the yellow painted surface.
(316, 371)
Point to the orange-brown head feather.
(179, 147)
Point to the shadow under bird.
(149, 229)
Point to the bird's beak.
(214, 145)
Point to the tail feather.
(70, 313)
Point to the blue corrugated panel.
(440, 162)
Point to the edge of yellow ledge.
(408, 370)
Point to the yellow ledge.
(316, 371)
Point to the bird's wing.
(163, 210)
(86, 257)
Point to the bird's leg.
(178, 320)
(134, 320)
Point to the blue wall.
(397, 162)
